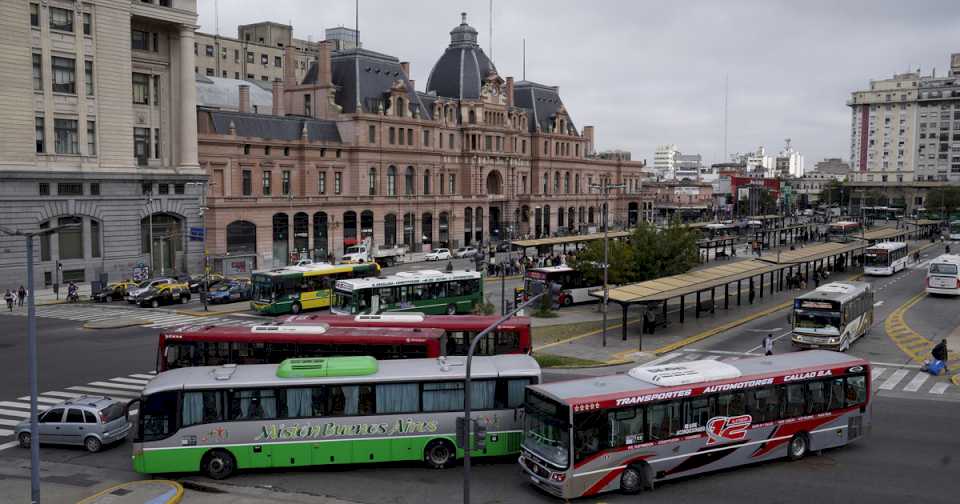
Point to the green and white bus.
(425, 291)
(318, 411)
(297, 288)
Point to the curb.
(120, 324)
(178, 494)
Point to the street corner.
(116, 323)
(139, 492)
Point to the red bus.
(513, 336)
(629, 431)
(271, 344)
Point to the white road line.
(878, 303)
(11, 404)
(107, 392)
(12, 423)
(144, 376)
(939, 388)
(711, 357)
(690, 357)
(12, 413)
(666, 358)
(877, 371)
(121, 379)
(722, 352)
(916, 382)
(65, 395)
(894, 379)
(758, 347)
(121, 386)
(11, 444)
(894, 364)
(6, 432)
(47, 400)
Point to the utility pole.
(605, 189)
(150, 227)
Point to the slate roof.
(541, 102)
(274, 127)
(460, 70)
(217, 92)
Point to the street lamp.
(32, 353)
(605, 190)
(203, 225)
(150, 200)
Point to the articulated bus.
(425, 291)
(628, 431)
(271, 344)
(885, 258)
(943, 275)
(511, 336)
(296, 288)
(574, 286)
(833, 316)
(338, 410)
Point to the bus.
(885, 258)
(297, 288)
(654, 423)
(338, 410)
(425, 291)
(270, 344)
(511, 336)
(833, 316)
(955, 230)
(843, 229)
(575, 287)
(943, 275)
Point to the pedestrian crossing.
(887, 378)
(14, 411)
(156, 319)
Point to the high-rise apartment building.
(665, 161)
(99, 133)
(884, 130)
(256, 54)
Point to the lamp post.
(149, 196)
(203, 225)
(605, 189)
(32, 354)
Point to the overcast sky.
(649, 73)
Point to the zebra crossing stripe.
(106, 392)
(916, 382)
(894, 379)
(47, 400)
(939, 388)
(121, 386)
(121, 379)
(15, 413)
(144, 376)
(12, 423)
(11, 404)
(65, 395)
(9, 445)
(876, 373)
(5, 432)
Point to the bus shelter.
(922, 229)
(883, 234)
(779, 236)
(719, 246)
(545, 245)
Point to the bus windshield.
(877, 259)
(547, 432)
(943, 269)
(350, 303)
(820, 321)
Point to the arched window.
(546, 181)
(320, 248)
(467, 226)
(372, 183)
(408, 228)
(478, 224)
(426, 182)
(392, 181)
(241, 238)
(408, 181)
(444, 229)
(390, 230)
(566, 183)
(401, 108)
(281, 237)
(426, 228)
(590, 218)
(349, 228)
(546, 220)
(301, 230)
(366, 225)
(556, 183)
(494, 183)
(472, 117)
(560, 218)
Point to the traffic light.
(479, 436)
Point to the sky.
(650, 73)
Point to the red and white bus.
(574, 286)
(272, 344)
(513, 336)
(627, 431)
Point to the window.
(392, 136)
(69, 189)
(246, 183)
(249, 60)
(52, 416)
(64, 77)
(210, 72)
(409, 136)
(178, 188)
(322, 183)
(65, 136)
(88, 77)
(443, 396)
(91, 138)
(146, 188)
(266, 182)
(71, 239)
(392, 181)
(260, 404)
(156, 143)
(372, 181)
(337, 182)
(626, 427)
(140, 40)
(408, 181)
(141, 89)
(208, 50)
(202, 407)
(440, 185)
(37, 73)
(277, 61)
(141, 145)
(307, 109)
(94, 235)
(426, 182)
(39, 135)
(87, 24)
(371, 134)
(44, 188)
(856, 390)
(156, 90)
(286, 151)
(402, 132)
(285, 185)
(94, 189)
(45, 241)
(35, 15)
(163, 188)
(426, 138)
(236, 55)
(264, 59)
(397, 398)
(453, 184)
(61, 19)
(450, 142)
(246, 149)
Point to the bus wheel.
(567, 300)
(439, 454)
(218, 464)
(295, 309)
(451, 309)
(631, 481)
(798, 446)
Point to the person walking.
(940, 353)
(21, 296)
(768, 344)
(8, 297)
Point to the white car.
(465, 252)
(440, 254)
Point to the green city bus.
(297, 288)
(425, 291)
(318, 411)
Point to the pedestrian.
(768, 344)
(21, 295)
(940, 353)
(8, 296)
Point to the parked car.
(465, 252)
(441, 254)
(144, 286)
(114, 291)
(88, 421)
(167, 293)
(196, 281)
(230, 291)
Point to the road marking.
(12, 423)
(876, 373)
(758, 347)
(892, 364)
(130, 380)
(894, 379)
(106, 392)
(121, 386)
(916, 382)
(661, 360)
(144, 376)
(722, 352)
(939, 388)
(878, 303)
(21, 414)
(66, 395)
(712, 357)
(11, 444)
(10, 404)
(5, 432)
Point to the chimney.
(245, 98)
(323, 64)
(588, 134)
(413, 84)
(289, 67)
(278, 108)
(405, 66)
(509, 91)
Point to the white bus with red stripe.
(628, 431)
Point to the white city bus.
(832, 316)
(885, 258)
(955, 230)
(575, 288)
(943, 275)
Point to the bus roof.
(399, 370)
(304, 333)
(946, 258)
(887, 246)
(844, 224)
(445, 322)
(314, 269)
(407, 278)
(563, 268)
(837, 291)
(652, 383)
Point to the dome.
(460, 70)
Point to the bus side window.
(626, 427)
(202, 407)
(588, 433)
(731, 404)
(507, 342)
(856, 390)
(764, 404)
(794, 400)
(510, 392)
(387, 296)
(661, 418)
(816, 392)
(835, 394)
(696, 412)
(453, 289)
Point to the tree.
(647, 254)
(945, 199)
(832, 193)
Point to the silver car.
(88, 421)
(134, 292)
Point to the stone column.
(188, 100)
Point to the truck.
(365, 252)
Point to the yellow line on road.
(909, 341)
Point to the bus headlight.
(558, 477)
